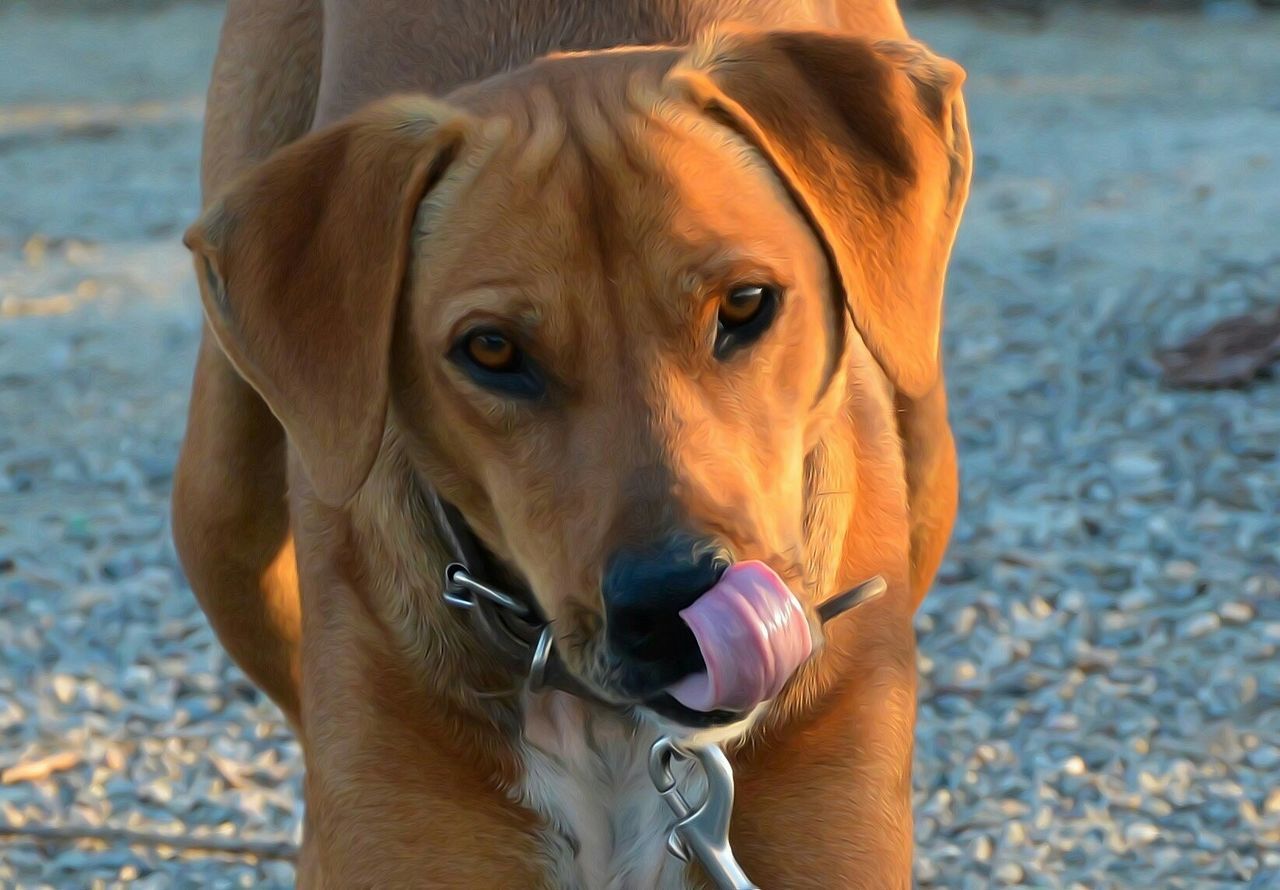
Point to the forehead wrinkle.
(624, 168)
(619, 146)
(678, 121)
(658, 244)
(545, 136)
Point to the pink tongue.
(753, 635)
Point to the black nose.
(644, 591)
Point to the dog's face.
(622, 330)
(616, 324)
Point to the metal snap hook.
(701, 832)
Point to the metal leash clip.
(700, 832)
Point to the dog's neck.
(403, 589)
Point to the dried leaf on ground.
(1233, 352)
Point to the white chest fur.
(586, 772)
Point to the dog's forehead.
(576, 120)
(596, 153)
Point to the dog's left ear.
(871, 140)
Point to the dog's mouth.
(742, 641)
(739, 643)
(735, 646)
(750, 633)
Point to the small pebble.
(1199, 625)
(1139, 834)
(1236, 612)
(1010, 873)
(982, 849)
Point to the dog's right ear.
(871, 140)
(301, 264)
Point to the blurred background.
(1100, 681)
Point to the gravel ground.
(1099, 671)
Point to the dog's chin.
(669, 717)
(696, 728)
(640, 688)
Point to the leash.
(514, 629)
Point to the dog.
(647, 295)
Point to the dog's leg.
(231, 526)
(230, 517)
(266, 80)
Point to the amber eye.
(492, 351)
(740, 305)
(745, 313)
(493, 360)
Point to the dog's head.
(606, 304)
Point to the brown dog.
(642, 273)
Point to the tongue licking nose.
(752, 634)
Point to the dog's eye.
(493, 360)
(745, 312)
(492, 351)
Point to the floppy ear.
(871, 140)
(301, 264)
